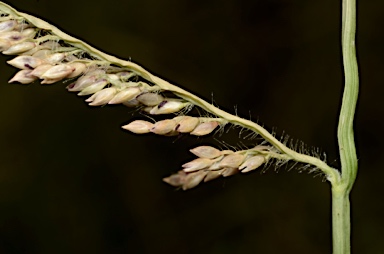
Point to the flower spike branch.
(46, 53)
(43, 52)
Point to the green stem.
(348, 157)
(341, 225)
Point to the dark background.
(71, 181)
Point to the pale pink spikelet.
(4, 44)
(79, 69)
(131, 103)
(187, 124)
(150, 99)
(206, 152)
(125, 95)
(7, 25)
(28, 33)
(197, 164)
(177, 179)
(204, 128)
(252, 163)
(59, 71)
(138, 126)
(82, 83)
(163, 127)
(50, 81)
(19, 48)
(232, 160)
(229, 172)
(54, 58)
(23, 77)
(40, 70)
(41, 53)
(193, 179)
(93, 88)
(213, 174)
(12, 36)
(102, 97)
(167, 107)
(25, 62)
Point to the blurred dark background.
(71, 181)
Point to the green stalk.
(340, 190)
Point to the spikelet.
(187, 124)
(79, 68)
(25, 62)
(93, 88)
(40, 70)
(138, 127)
(58, 72)
(196, 164)
(163, 127)
(204, 128)
(252, 163)
(23, 77)
(125, 95)
(176, 180)
(206, 152)
(102, 97)
(7, 25)
(168, 107)
(193, 179)
(150, 99)
(4, 44)
(19, 48)
(232, 160)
